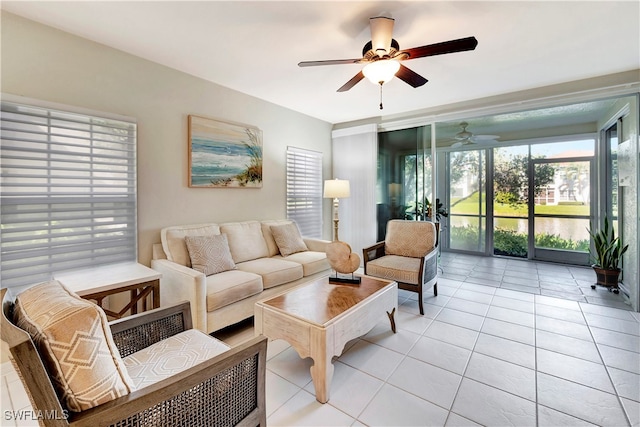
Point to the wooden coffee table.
(319, 318)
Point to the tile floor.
(497, 347)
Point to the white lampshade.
(336, 188)
(381, 71)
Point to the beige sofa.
(257, 268)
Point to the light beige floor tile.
(503, 375)
(395, 407)
(507, 350)
(441, 354)
(474, 399)
(580, 401)
(422, 379)
(304, 410)
(573, 369)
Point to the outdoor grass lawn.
(470, 206)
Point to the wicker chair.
(228, 389)
(408, 255)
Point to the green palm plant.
(608, 247)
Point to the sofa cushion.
(288, 239)
(75, 343)
(230, 286)
(245, 240)
(210, 254)
(268, 236)
(173, 243)
(312, 262)
(394, 267)
(171, 356)
(274, 271)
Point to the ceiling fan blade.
(457, 144)
(410, 77)
(330, 62)
(484, 137)
(351, 83)
(451, 46)
(381, 33)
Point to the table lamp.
(336, 189)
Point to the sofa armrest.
(180, 283)
(316, 245)
(230, 385)
(139, 331)
(372, 252)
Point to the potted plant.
(608, 254)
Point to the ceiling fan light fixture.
(380, 72)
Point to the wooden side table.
(100, 282)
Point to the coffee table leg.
(322, 369)
(392, 319)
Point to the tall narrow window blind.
(68, 192)
(304, 190)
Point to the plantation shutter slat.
(67, 192)
(304, 190)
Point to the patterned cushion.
(173, 243)
(172, 356)
(210, 254)
(394, 267)
(288, 239)
(268, 237)
(75, 343)
(410, 238)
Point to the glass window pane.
(564, 149)
(467, 233)
(510, 237)
(562, 233)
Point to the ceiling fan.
(383, 55)
(465, 137)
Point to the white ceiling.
(254, 47)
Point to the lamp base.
(353, 280)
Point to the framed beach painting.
(224, 155)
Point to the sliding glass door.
(561, 210)
(467, 200)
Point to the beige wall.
(43, 63)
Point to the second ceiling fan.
(465, 137)
(383, 55)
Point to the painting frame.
(224, 154)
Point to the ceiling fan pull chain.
(381, 95)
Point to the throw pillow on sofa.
(288, 239)
(210, 254)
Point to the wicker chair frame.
(226, 390)
(427, 274)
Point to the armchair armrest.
(134, 333)
(180, 283)
(372, 252)
(228, 389)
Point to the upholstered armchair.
(150, 369)
(408, 255)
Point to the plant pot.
(606, 278)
